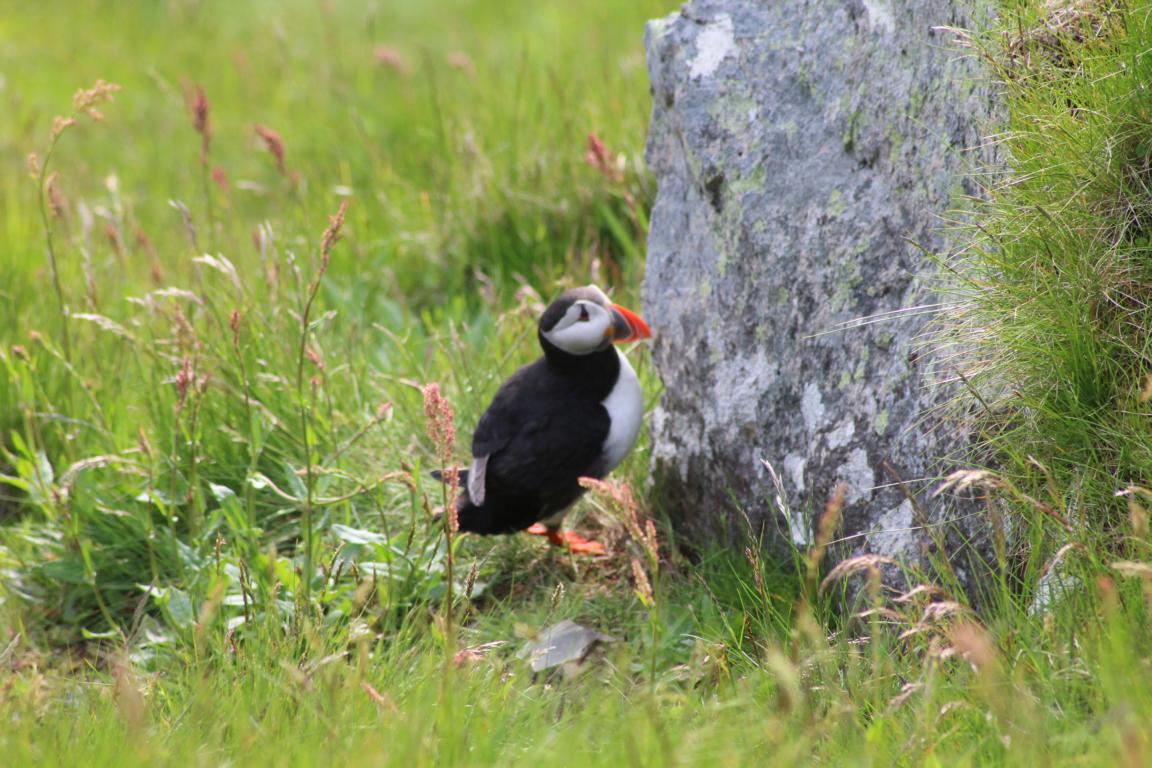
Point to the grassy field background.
(218, 542)
(187, 265)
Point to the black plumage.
(548, 424)
(545, 428)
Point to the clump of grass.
(85, 103)
(910, 675)
(308, 402)
(441, 427)
(644, 559)
(1057, 278)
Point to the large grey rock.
(806, 155)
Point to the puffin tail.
(472, 517)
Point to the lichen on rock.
(805, 156)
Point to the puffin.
(575, 412)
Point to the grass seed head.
(59, 125)
(470, 582)
(600, 158)
(111, 231)
(56, 203)
(220, 179)
(184, 379)
(143, 443)
(234, 324)
(332, 233)
(463, 62)
(86, 100)
(867, 563)
(974, 644)
(313, 356)
(392, 59)
(754, 561)
(440, 422)
(1142, 571)
(829, 522)
(441, 427)
(643, 586)
(198, 104)
(274, 144)
(378, 698)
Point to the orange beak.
(627, 325)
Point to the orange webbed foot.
(579, 545)
(573, 542)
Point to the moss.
(848, 279)
(731, 113)
(958, 197)
(880, 423)
(844, 104)
(895, 144)
(742, 185)
(916, 102)
(807, 82)
(862, 364)
(728, 225)
(854, 126)
(789, 128)
(836, 205)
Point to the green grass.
(217, 532)
(735, 683)
(465, 187)
(1058, 273)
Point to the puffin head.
(583, 320)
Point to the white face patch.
(585, 328)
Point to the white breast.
(625, 404)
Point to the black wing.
(539, 432)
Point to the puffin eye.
(583, 314)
